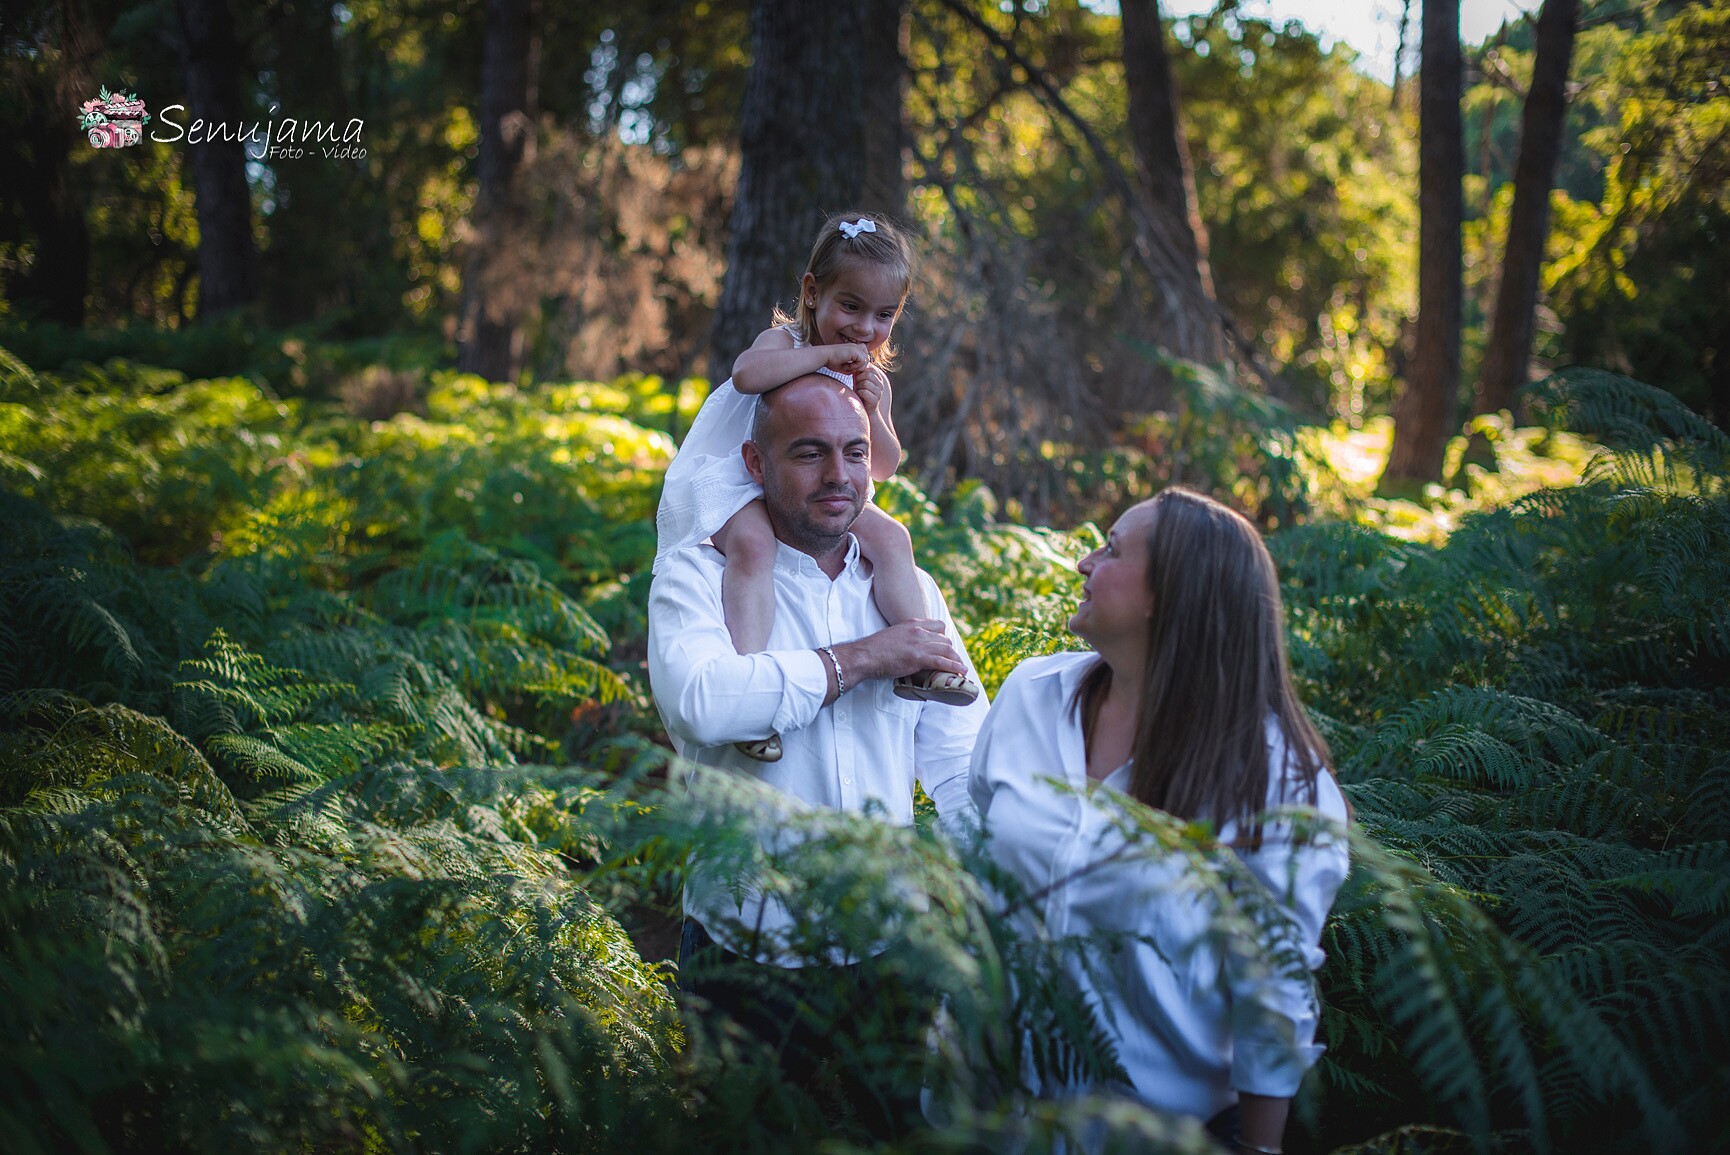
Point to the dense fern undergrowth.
(327, 774)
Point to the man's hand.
(904, 648)
(849, 358)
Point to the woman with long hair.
(1185, 704)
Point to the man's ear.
(753, 460)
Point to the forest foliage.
(328, 791)
(1026, 330)
(334, 810)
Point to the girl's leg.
(896, 586)
(748, 582)
(748, 597)
(887, 545)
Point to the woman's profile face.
(1115, 600)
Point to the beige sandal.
(762, 749)
(938, 686)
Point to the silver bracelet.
(840, 682)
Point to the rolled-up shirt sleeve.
(1274, 1008)
(708, 693)
(944, 739)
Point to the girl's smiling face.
(859, 306)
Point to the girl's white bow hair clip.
(851, 229)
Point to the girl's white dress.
(707, 483)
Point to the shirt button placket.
(843, 711)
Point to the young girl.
(855, 283)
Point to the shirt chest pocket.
(878, 696)
(899, 708)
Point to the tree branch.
(1496, 71)
(1153, 246)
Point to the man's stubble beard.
(794, 525)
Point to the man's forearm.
(903, 648)
(859, 661)
(736, 697)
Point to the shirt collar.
(1069, 673)
(799, 563)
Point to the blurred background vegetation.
(333, 808)
(577, 226)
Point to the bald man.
(824, 683)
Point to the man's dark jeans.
(813, 1018)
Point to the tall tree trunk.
(36, 178)
(227, 255)
(799, 134)
(1185, 313)
(489, 336)
(1156, 132)
(1546, 111)
(883, 75)
(41, 187)
(1192, 324)
(307, 268)
(1168, 180)
(1426, 414)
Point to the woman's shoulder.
(1285, 780)
(1028, 716)
(1053, 665)
(1046, 673)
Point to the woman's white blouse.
(1194, 1024)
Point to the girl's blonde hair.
(835, 252)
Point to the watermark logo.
(117, 119)
(285, 139)
(113, 119)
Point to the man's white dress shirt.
(1194, 1024)
(868, 746)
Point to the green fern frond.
(19, 384)
(62, 742)
(1632, 418)
(257, 761)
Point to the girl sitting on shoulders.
(852, 292)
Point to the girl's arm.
(874, 390)
(772, 361)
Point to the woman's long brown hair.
(1216, 669)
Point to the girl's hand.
(849, 358)
(872, 386)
